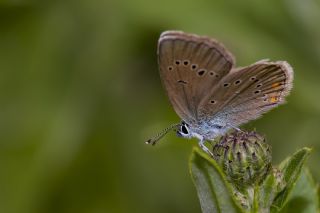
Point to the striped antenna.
(157, 137)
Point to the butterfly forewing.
(246, 93)
(190, 66)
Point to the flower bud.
(244, 157)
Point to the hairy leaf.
(291, 170)
(214, 192)
(304, 197)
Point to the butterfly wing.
(189, 66)
(246, 93)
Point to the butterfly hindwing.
(246, 93)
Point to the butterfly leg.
(204, 148)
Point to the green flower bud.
(244, 157)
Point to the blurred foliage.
(80, 92)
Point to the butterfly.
(208, 93)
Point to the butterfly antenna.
(157, 137)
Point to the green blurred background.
(80, 93)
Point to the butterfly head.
(183, 130)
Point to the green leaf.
(291, 169)
(268, 190)
(304, 196)
(214, 192)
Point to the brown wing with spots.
(190, 66)
(246, 93)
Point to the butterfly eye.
(184, 129)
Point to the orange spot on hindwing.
(274, 99)
(274, 85)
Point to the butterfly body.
(208, 93)
(208, 130)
